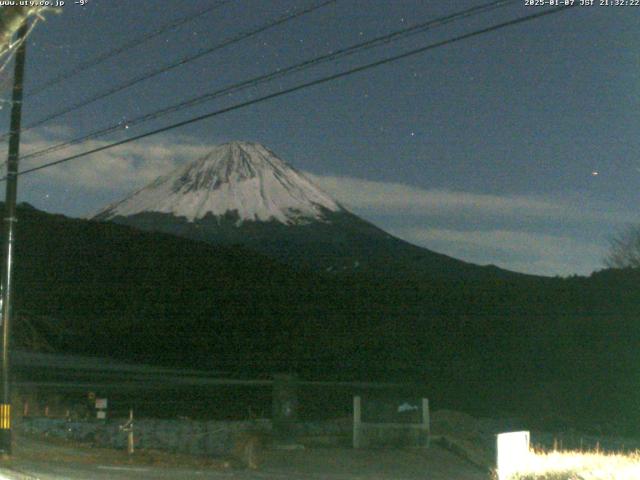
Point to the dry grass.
(579, 466)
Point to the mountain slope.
(242, 193)
(116, 291)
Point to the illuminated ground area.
(579, 466)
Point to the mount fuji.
(242, 193)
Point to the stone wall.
(214, 438)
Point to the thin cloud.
(511, 231)
(121, 169)
(398, 198)
(515, 250)
(133, 165)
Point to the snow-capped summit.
(241, 178)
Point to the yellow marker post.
(5, 416)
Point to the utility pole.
(10, 219)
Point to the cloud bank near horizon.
(548, 235)
(525, 233)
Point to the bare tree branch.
(624, 251)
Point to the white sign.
(512, 453)
(101, 414)
(101, 403)
(407, 407)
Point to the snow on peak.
(241, 177)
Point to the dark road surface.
(43, 460)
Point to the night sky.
(517, 148)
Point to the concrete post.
(426, 421)
(130, 443)
(357, 422)
(285, 407)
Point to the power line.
(154, 73)
(281, 72)
(302, 86)
(126, 46)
